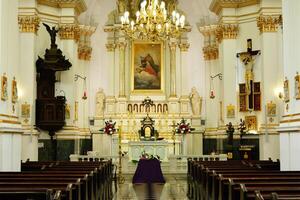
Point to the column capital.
(268, 23)
(172, 45)
(227, 31)
(28, 23)
(184, 46)
(110, 47)
(211, 52)
(69, 32)
(122, 45)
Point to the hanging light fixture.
(153, 22)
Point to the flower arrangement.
(109, 127)
(148, 156)
(183, 127)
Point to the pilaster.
(172, 46)
(122, 47)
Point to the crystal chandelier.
(153, 23)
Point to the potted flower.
(183, 127)
(109, 127)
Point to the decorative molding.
(110, 47)
(84, 52)
(69, 32)
(227, 31)
(122, 45)
(184, 47)
(211, 52)
(109, 29)
(78, 5)
(172, 46)
(84, 47)
(28, 23)
(268, 23)
(217, 5)
(211, 48)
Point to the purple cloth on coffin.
(148, 171)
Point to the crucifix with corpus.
(248, 59)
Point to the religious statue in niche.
(271, 109)
(25, 110)
(4, 94)
(230, 111)
(196, 102)
(14, 91)
(286, 90)
(297, 86)
(100, 100)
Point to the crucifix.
(248, 59)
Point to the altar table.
(148, 171)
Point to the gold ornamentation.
(297, 86)
(84, 47)
(271, 109)
(69, 32)
(210, 52)
(4, 93)
(184, 46)
(268, 23)
(227, 31)
(110, 46)
(29, 23)
(172, 46)
(217, 5)
(230, 111)
(78, 5)
(210, 49)
(67, 111)
(251, 122)
(122, 45)
(76, 111)
(286, 90)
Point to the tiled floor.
(174, 189)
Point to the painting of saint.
(297, 86)
(147, 67)
(271, 109)
(14, 91)
(4, 94)
(25, 110)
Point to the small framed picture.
(14, 91)
(230, 111)
(4, 94)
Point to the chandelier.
(152, 22)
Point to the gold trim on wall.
(217, 5)
(162, 70)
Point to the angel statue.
(52, 32)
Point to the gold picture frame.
(14, 91)
(230, 111)
(67, 111)
(297, 86)
(251, 123)
(286, 90)
(271, 109)
(25, 110)
(76, 111)
(4, 93)
(147, 67)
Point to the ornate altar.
(148, 131)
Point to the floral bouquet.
(109, 127)
(183, 127)
(146, 156)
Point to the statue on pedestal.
(196, 102)
(52, 32)
(100, 100)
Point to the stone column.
(290, 123)
(28, 27)
(184, 98)
(122, 47)
(10, 125)
(226, 36)
(271, 53)
(172, 46)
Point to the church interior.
(149, 99)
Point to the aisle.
(174, 189)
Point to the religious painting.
(230, 111)
(251, 123)
(297, 86)
(76, 111)
(67, 111)
(14, 91)
(147, 67)
(286, 90)
(4, 94)
(271, 109)
(25, 110)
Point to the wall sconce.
(280, 95)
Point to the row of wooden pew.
(58, 181)
(241, 180)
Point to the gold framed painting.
(251, 122)
(25, 110)
(4, 94)
(297, 86)
(67, 111)
(14, 91)
(271, 109)
(147, 67)
(230, 111)
(286, 90)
